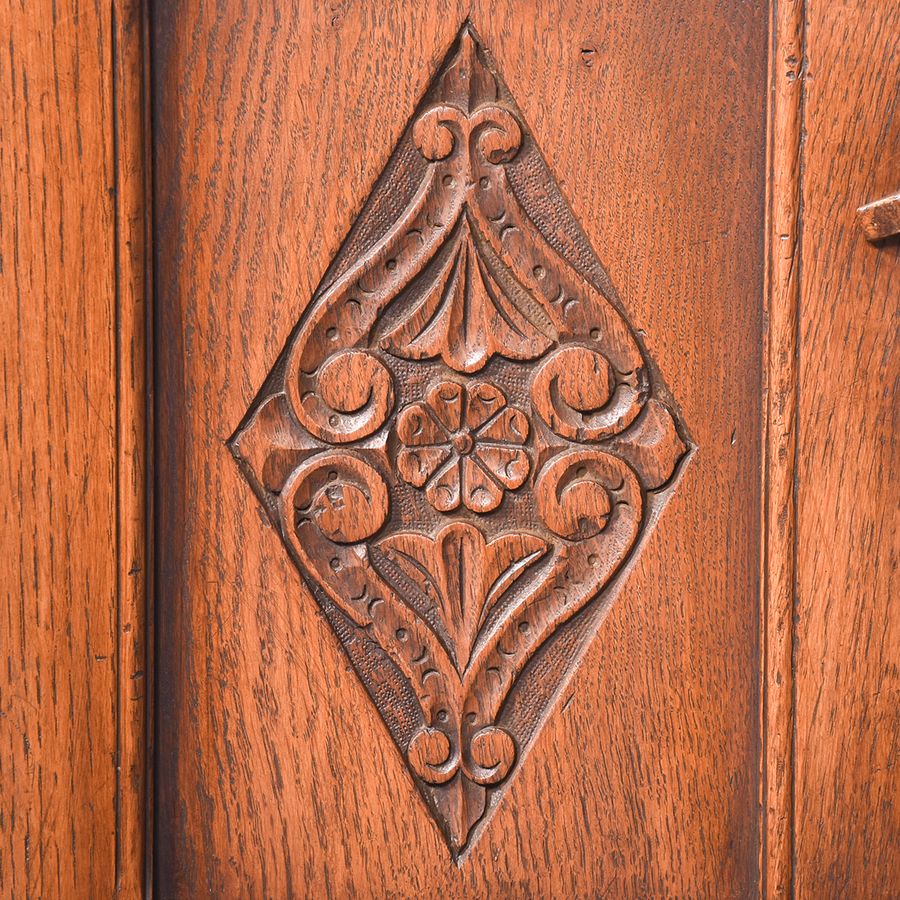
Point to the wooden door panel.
(464, 445)
(732, 727)
(275, 771)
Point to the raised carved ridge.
(464, 443)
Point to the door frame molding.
(132, 151)
(778, 557)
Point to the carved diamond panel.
(463, 443)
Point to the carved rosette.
(464, 442)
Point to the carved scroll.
(464, 442)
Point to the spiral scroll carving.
(490, 131)
(431, 756)
(581, 397)
(492, 753)
(487, 760)
(582, 493)
(344, 497)
(348, 398)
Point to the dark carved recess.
(463, 443)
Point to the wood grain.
(464, 444)
(276, 775)
(786, 72)
(72, 745)
(133, 380)
(848, 618)
(58, 471)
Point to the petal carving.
(480, 492)
(417, 464)
(443, 491)
(509, 465)
(510, 427)
(417, 428)
(446, 400)
(485, 400)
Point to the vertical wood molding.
(847, 632)
(779, 515)
(58, 463)
(131, 128)
(73, 465)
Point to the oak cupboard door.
(497, 495)
(459, 402)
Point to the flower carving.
(463, 444)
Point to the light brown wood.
(786, 72)
(72, 264)
(58, 472)
(276, 773)
(847, 677)
(733, 728)
(464, 444)
(132, 327)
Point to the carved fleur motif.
(465, 615)
(463, 575)
(463, 445)
(467, 305)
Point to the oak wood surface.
(786, 70)
(641, 782)
(616, 767)
(275, 773)
(134, 382)
(848, 619)
(58, 469)
(73, 747)
(464, 445)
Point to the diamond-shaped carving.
(464, 443)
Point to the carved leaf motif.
(465, 574)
